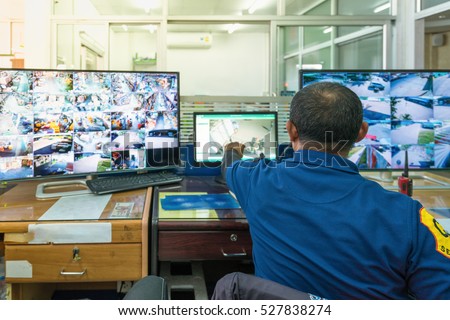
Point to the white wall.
(37, 34)
(124, 47)
(9, 11)
(236, 64)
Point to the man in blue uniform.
(318, 226)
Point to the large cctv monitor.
(258, 131)
(56, 123)
(405, 109)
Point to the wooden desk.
(64, 265)
(225, 238)
(430, 188)
(228, 237)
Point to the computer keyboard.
(129, 182)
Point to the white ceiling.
(226, 7)
(435, 23)
(183, 7)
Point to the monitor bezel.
(368, 170)
(174, 152)
(215, 164)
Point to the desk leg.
(154, 248)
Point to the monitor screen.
(256, 130)
(405, 110)
(61, 122)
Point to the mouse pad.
(206, 201)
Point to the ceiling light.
(232, 27)
(152, 28)
(254, 6)
(146, 5)
(316, 66)
(382, 7)
(328, 30)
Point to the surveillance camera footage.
(84, 122)
(257, 131)
(405, 111)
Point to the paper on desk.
(82, 232)
(82, 207)
(185, 214)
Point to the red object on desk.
(405, 183)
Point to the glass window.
(318, 57)
(291, 39)
(364, 7)
(133, 47)
(64, 52)
(345, 30)
(221, 7)
(81, 46)
(107, 8)
(425, 4)
(351, 48)
(344, 7)
(316, 35)
(291, 83)
(363, 53)
(308, 7)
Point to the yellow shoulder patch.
(441, 236)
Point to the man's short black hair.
(327, 113)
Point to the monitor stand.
(65, 188)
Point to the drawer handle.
(239, 254)
(73, 273)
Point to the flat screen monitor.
(258, 131)
(56, 123)
(405, 109)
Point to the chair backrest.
(148, 288)
(242, 286)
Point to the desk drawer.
(176, 245)
(60, 263)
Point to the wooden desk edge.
(145, 230)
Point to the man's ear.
(362, 131)
(292, 131)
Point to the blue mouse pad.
(206, 201)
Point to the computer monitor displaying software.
(258, 131)
(71, 122)
(405, 109)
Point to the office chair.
(242, 286)
(148, 288)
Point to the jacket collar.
(312, 158)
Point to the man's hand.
(232, 151)
(236, 146)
